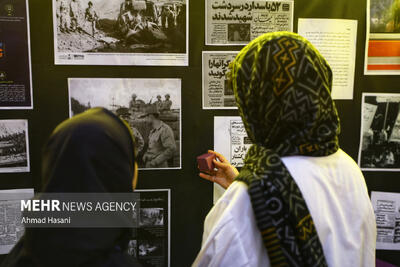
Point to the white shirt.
(337, 198)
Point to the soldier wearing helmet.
(134, 104)
(159, 102)
(161, 145)
(167, 103)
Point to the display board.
(191, 197)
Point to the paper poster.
(382, 49)
(230, 140)
(387, 214)
(237, 22)
(150, 243)
(217, 91)
(380, 132)
(336, 40)
(158, 140)
(11, 226)
(121, 32)
(15, 57)
(14, 146)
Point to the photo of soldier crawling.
(121, 26)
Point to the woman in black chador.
(92, 152)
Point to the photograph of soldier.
(91, 17)
(135, 104)
(380, 134)
(63, 15)
(75, 11)
(121, 26)
(155, 123)
(161, 145)
(159, 102)
(166, 104)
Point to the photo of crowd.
(380, 136)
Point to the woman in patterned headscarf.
(299, 200)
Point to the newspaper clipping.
(217, 91)
(121, 32)
(11, 226)
(230, 139)
(152, 107)
(14, 146)
(387, 214)
(382, 48)
(150, 243)
(235, 147)
(380, 133)
(236, 22)
(15, 57)
(240, 143)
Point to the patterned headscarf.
(282, 87)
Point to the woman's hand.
(225, 173)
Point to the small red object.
(206, 163)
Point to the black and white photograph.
(14, 146)
(132, 248)
(152, 108)
(121, 32)
(11, 226)
(150, 248)
(239, 32)
(380, 133)
(150, 241)
(151, 217)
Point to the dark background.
(191, 196)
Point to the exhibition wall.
(192, 125)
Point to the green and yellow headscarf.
(282, 87)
